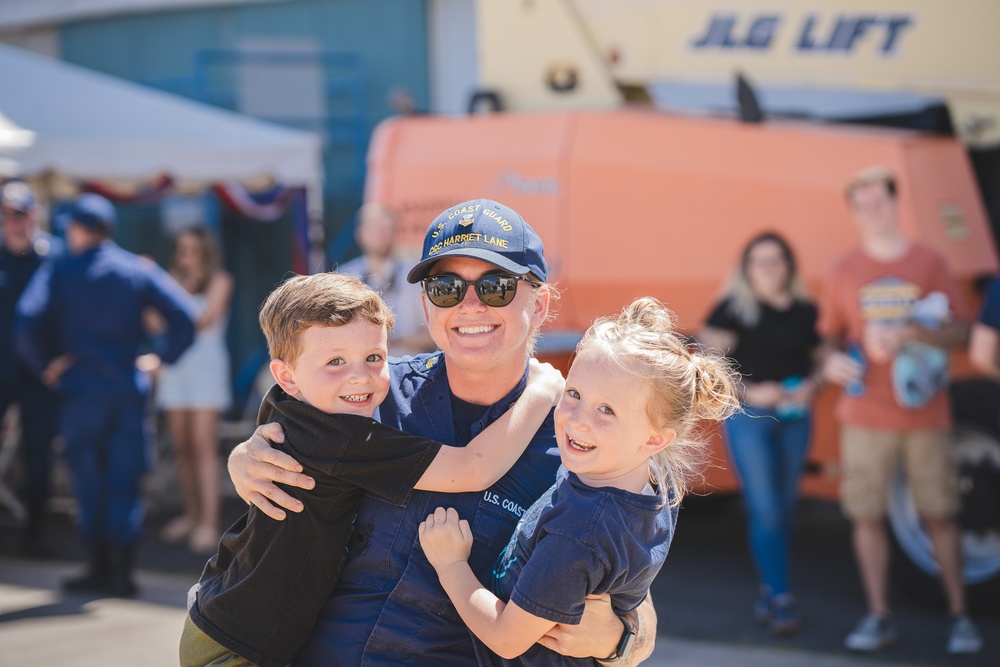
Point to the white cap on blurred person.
(18, 195)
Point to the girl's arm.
(506, 629)
(490, 454)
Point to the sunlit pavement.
(702, 599)
(41, 626)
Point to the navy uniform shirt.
(15, 272)
(91, 305)
(388, 608)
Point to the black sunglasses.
(496, 290)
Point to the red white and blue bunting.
(261, 206)
(267, 206)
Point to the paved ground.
(39, 626)
(702, 597)
(706, 589)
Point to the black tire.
(976, 443)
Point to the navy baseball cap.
(93, 211)
(17, 195)
(486, 230)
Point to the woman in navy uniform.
(90, 306)
(485, 298)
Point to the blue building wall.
(389, 35)
(162, 48)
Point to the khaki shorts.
(870, 458)
(199, 650)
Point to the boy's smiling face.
(341, 370)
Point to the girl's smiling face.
(604, 433)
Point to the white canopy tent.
(59, 118)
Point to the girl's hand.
(445, 538)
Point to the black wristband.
(624, 644)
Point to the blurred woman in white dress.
(194, 391)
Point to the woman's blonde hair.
(686, 388)
(554, 295)
(743, 302)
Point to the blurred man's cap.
(18, 195)
(93, 211)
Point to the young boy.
(259, 597)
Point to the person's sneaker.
(177, 530)
(762, 605)
(871, 634)
(203, 540)
(964, 636)
(785, 619)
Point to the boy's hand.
(445, 538)
(545, 379)
(255, 466)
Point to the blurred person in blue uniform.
(23, 248)
(91, 304)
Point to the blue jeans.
(768, 455)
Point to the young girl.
(626, 428)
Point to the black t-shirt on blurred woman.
(780, 345)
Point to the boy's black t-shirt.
(260, 595)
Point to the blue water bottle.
(856, 388)
(791, 410)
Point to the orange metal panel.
(632, 203)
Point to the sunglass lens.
(445, 291)
(496, 290)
